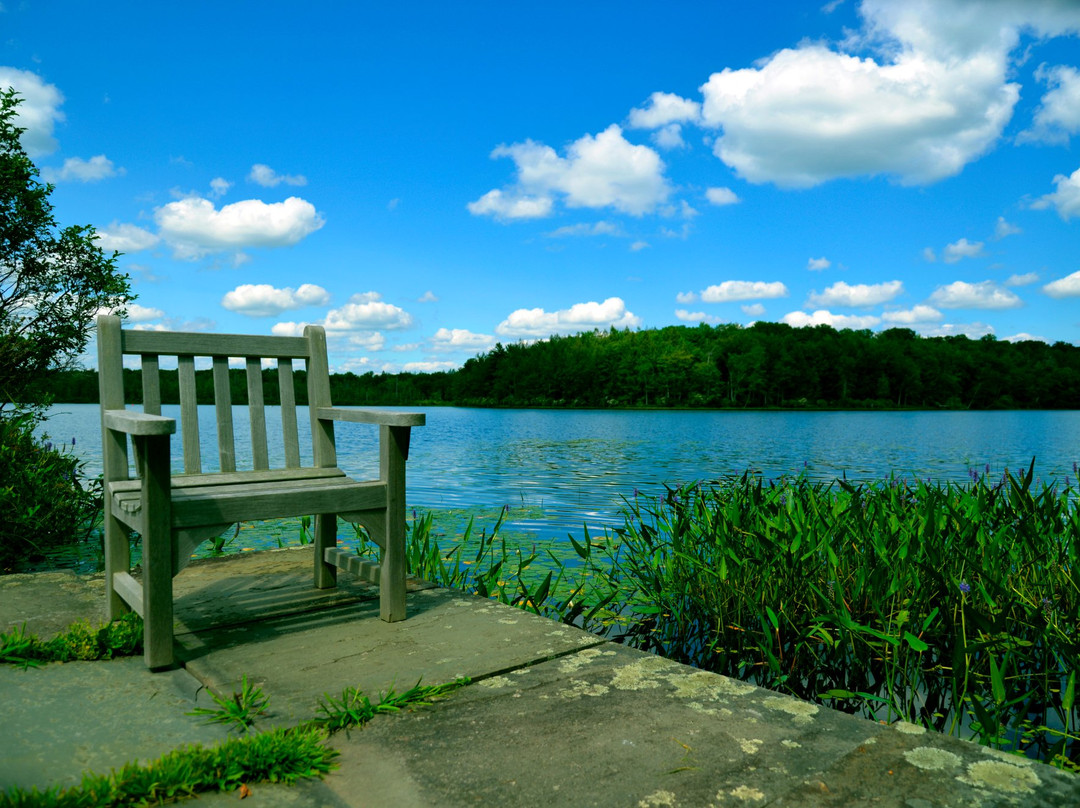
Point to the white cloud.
(598, 171)
(366, 341)
(1066, 199)
(638, 245)
(818, 264)
(1058, 116)
(264, 300)
(669, 137)
(1022, 280)
(125, 238)
(743, 290)
(142, 314)
(859, 294)
(663, 109)
(983, 295)
(1003, 228)
(753, 309)
(686, 297)
(268, 178)
(367, 311)
(460, 339)
(219, 186)
(193, 227)
(721, 196)
(76, 169)
(137, 314)
(962, 249)
(1069, 286)
(969, 330)
(934, 97)
(800, 319)
(427, 297)
(917, 314)
(929, 255)
(1023, 336)
(697, 317)
(428, 367)
(39, 111)
(579, 317)
(585, 229)
(511, 206)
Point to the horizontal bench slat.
(234, 478)
(382, 417)
(212, 505)
(239, 345)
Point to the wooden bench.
(174, 512)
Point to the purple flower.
(72, 440)
(965, 587)
(987, 468)
(635, 493)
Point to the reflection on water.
(570, 468)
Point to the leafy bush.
(45, 499)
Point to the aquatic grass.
(955, 607)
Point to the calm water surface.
(560, 469)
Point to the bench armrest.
(381, 417)
(139, 423)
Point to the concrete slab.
(70, 598)
(609, 726)
(299, 658)
(62, 719)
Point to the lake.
(560, 469)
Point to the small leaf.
(915, 643)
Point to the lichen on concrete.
(660, 799)
(1000, 776)
(909, 729)
(579, 688)
(744, 794)
(643, 673)
(801, 712)
(577, 661)
(930, 759)
(495, 682)
(750, 746)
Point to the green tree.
(53, 280)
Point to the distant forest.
(763, 366)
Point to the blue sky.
(426, 179)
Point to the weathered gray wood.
(373, 521)
(138, 423)
(175, 514)
(189, 414)
(173, 343)
(392, 440)
(223, 412)
(157, 555)
(350, 562)
(151, 385)
(130, 590)
(114, 455)
(192, 507)
(325, 534)
(289, 431)
(257, 414)
(382, 417)
(318, 384)
(180, 481)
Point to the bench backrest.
(115, 342)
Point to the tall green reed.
(951, 606)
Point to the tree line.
(764, 365)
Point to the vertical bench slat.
(318, 384)
(189, 415)
(223, 410)
(288, 414)
(151, 385)
(114, 456)
(257, 413)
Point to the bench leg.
(394, 443)
(117, 559)
(157, 560)
(325, 536)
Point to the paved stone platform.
(554, 716)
